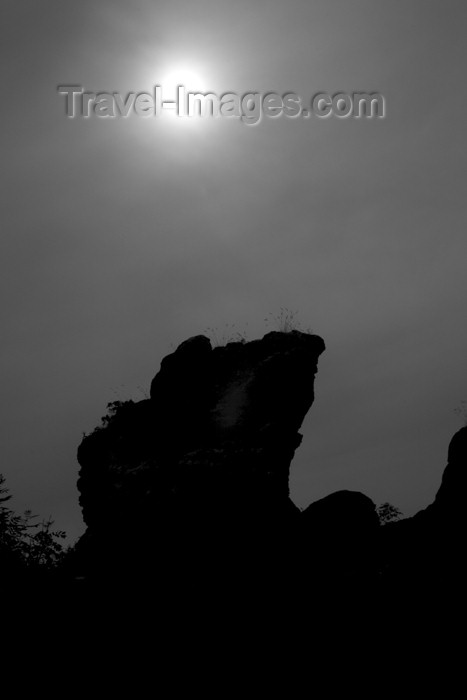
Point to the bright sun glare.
(193, 77)
(191, 80)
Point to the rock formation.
(192, 484)
(428, 547)
(448, 508)
(202, 466)
(340, 533)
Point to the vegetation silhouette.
(388, 513)
(28, 547)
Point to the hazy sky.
(121, 238)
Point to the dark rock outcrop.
(201, 469)
(428, 547)
(339, 533)
(448, 508)
(192, 484)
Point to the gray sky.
(121, 238)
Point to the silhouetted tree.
(24, 542)
(388, 513)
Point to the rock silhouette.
(340, 533)
(200, 471)
(192, 484)
(428, 547)
(449, 504)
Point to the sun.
(170, 80)
(191, 80)
(171, 102)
